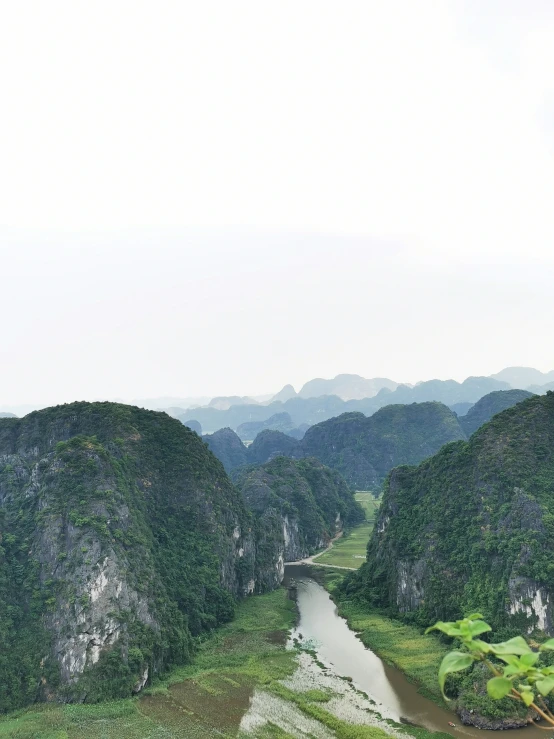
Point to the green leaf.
(474, 616)
(527, 697)
(549, 644)
(511, 670)
(498, 687)
(453, 662)
(449, 628)
(479, 645)
(510, 659)
(478, 627)
(517, 645)
(529, 659)
(545, 686)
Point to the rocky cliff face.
(303, 503)
(121, 537)
(472, 528)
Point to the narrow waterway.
(339, 648)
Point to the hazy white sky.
(221, 197)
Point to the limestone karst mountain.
(489, 405)
(472, 528)
(122, 538)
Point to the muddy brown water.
(339, 648)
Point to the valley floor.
(245, 682)
(350, 550)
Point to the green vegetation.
(228, 448)
(314, 499)
(519, 672)
(365, 449)
(125, 501)
(470, 530)
(362, 449)
(203, 699)
(209, 697)
(350, 549)
(369, 502)
(489, 405)
(270, 443)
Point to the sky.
(219, 198)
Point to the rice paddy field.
(350, 550)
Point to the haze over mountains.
(320, 399)
(345, 393)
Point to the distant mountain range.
(314, 410)
(364, 449)
(523, 377)
(319, 399)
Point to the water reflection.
(338, 647)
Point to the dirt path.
(310, 560)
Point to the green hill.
(121, 539)
(303, 503)
(489, 405)
(270, 444)
(228, 448)
(364, 449)
(472, 528)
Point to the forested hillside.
(121, 538)
(472, 528)
(301, 503)
(489, 405)
(363, 449)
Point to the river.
(338, 647)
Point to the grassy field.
(369, 503)
(350, 549)
(417, 655)
(208, 699)
(205, 699)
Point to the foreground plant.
(521, 677)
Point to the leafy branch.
(520, 677)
